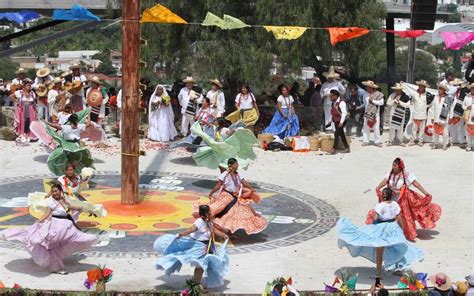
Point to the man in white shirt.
(17, 83)
(448, 80)
(80, 94)
(338, 117)
(468, 117)
(331, 83)
(42, 77)
(373, 101)
(55, 101)
(188, 99)
(419, 102)
(399, 111)
(457, 131)
(217, 98)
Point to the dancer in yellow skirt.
(247, 109)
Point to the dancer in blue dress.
(199, 250)
(382, 242)
(285, 122)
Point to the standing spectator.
(308, 93)
(419, 101)
(331, 83)
(373, 101)
(188, 100)
(441, 115)
(338, 115)
(399, 104)
(98, 112)
(469, 74)
(355, 107)
(317, 103)
(4, 99)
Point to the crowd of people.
(71, 107)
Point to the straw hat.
(66, 73)
(57, 80)
(216, 82)
(441, 281)
(457, 82)
(43, 72)
(20, 70)
(75, 66)
(461, 288)
(397, 86)
(444, 86)
(370, 83)
(470, 278)
(189, 79)
(331, 73)
(470, 86)
(95, 79)
(423, 83)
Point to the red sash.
(438, 128)
(454, 120)
(470, 129)
(418, 122)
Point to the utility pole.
(130, 101)
(411, 53)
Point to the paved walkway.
(304, 194)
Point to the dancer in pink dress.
(54, 236)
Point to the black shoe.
(197, 141)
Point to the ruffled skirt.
(399, 254)
(414, 208)
(38, 203)
(283, 127)
(179, 251)
(240, 216)
(51, 241)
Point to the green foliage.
(425, 67)
(106, 66)
(7, 69)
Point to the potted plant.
(99, 276)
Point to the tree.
(105, 66)
(425, 67)
(248, 54)
(7, 69)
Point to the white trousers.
(366, 131)
(186, 122)
(396, 132)
(458, 133)
(418, 131)
(445, 137)
(469, 138)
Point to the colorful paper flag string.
(20, 17)
(456, 40)
(161, 14)
(76, 13)
(407, 33)
(286, 32)
(227, 23)
(337, 34)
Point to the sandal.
(62, 272)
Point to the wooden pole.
(130, 100)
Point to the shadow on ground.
(367, 275)
(187, 160)
(27, 266)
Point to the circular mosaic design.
(165, 208)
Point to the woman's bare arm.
(216, 187)
(188, 231)
(419, 187)
(46, 215)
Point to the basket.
(313, 143)
(264, 138)
(326, 143)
